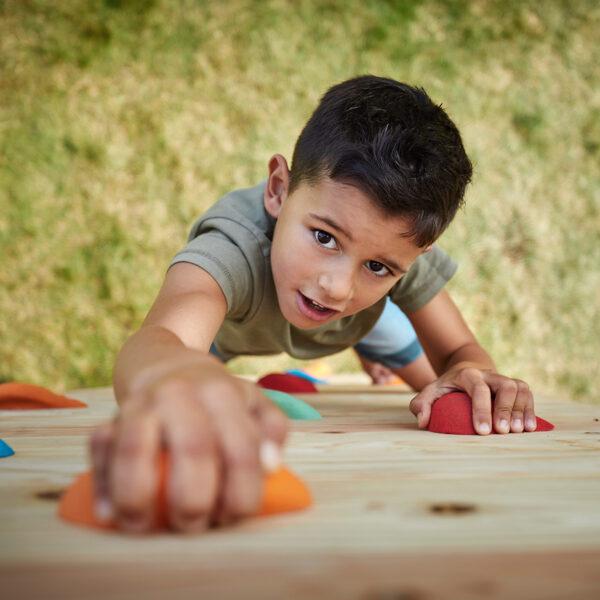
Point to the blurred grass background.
(121, 121)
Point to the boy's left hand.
(513, 400)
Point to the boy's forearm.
(470, 355)
(149, 353)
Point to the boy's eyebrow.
(332, 224)
(337, 227)
(395, 266)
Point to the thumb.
(100, 447)
(421, 404)
(274, 427)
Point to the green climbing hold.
(293, 407)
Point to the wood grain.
(399, 513)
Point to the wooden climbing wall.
(399, 513)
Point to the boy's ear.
(277, 185)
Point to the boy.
(304, 263)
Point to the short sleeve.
(226, 263)
(427, 276)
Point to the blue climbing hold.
(5, 449)
(304, 375)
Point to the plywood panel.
(399, 513)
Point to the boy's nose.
(337, 287)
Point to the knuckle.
(243, 504)
(195, 446)
(243, 455)
(511, 386)
(278, 423)
(221, 389)
(481, 387)
(131, 501)
(280, 419)
(284, 427)
(429, 389)
(481, 413)
(99, 438)
(131, 495)
(469, 373)
(522, 387)
(173, 391)
(126, 411)
(130, 447)
(419, 400)
(519, 405)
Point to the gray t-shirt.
(232, 242)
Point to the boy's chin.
(300, 321)
(296, 319)
(313, 325)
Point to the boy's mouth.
(312, 309)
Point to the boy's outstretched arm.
(462, 364)
(221, 432)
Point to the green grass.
(120, 121)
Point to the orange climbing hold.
(283, 492)
(26, 396)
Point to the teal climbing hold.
(5, 449)
(293, 407)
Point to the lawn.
(121, 121)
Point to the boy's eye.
(378, 268)
(324, 238)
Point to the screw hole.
(452, 508)
(50, 494)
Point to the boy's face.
(332, 246)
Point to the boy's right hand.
(221, 434)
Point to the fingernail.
(503, 424)
(103, 510)
(531, 423)
(270, 456)
(517, 424)
(191, 524)
(484, 428)
(134, 524)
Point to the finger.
(504, 404)
(100, 453)
(421, 404)
(522, 399)
(193, 484)
(239, 437)
(274, 427)
(134, 476)
(523, 408)
(472, 381)
(274, 424)
(529, 409)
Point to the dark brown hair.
(392, 142)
